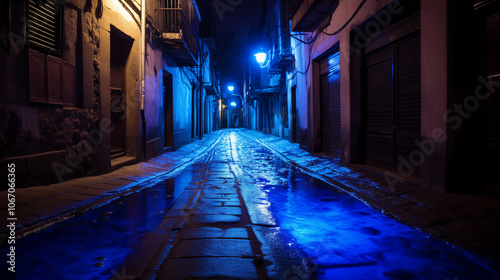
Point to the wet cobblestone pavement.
(241, 213)
(293, 226)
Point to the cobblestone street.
(252, 216)
(226, 228)
(237, 209)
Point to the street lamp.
(233, 104)
(230, 88)
(261, 57)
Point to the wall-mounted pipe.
(142, 75)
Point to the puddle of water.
(95, 244)
(349, 240)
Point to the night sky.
(240, 20)
(240, 23)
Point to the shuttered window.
(330, 104)
(44, 25)
(51, 79)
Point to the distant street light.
(233, 104)
(261, 57)
(230, 88)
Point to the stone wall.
(39, 136)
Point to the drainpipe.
(201, 110)
(142, 74)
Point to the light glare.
(261, 57)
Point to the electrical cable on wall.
(336, 32)
(361, 4)
(347, 23)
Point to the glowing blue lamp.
(261, 57)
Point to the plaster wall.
(433, 81)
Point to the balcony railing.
(281, 53)
(180, 21)
(265, 84)
(282, 56)
(212, 86)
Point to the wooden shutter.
(330, 104)
(38, 91)
(51, 80)
(68, 84)
(380, 123)
(54, 73)
(42, 23)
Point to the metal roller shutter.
(408, 98)
(380, 134)
(393, 102)
(330, 104)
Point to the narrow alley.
(240, 212)
(250, 139)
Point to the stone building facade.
(83, 93)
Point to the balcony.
(212, 86)
(307, 15)
(180, 22)
(281, 54)
(281, 58)
(265, 84)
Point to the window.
(51, 79)
(44, 25)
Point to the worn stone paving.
(202, 242)
(221, 234)
(218, 229)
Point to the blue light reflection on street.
(95, 244)
(349, 240)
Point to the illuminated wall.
(441, 86)
(55, 137)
